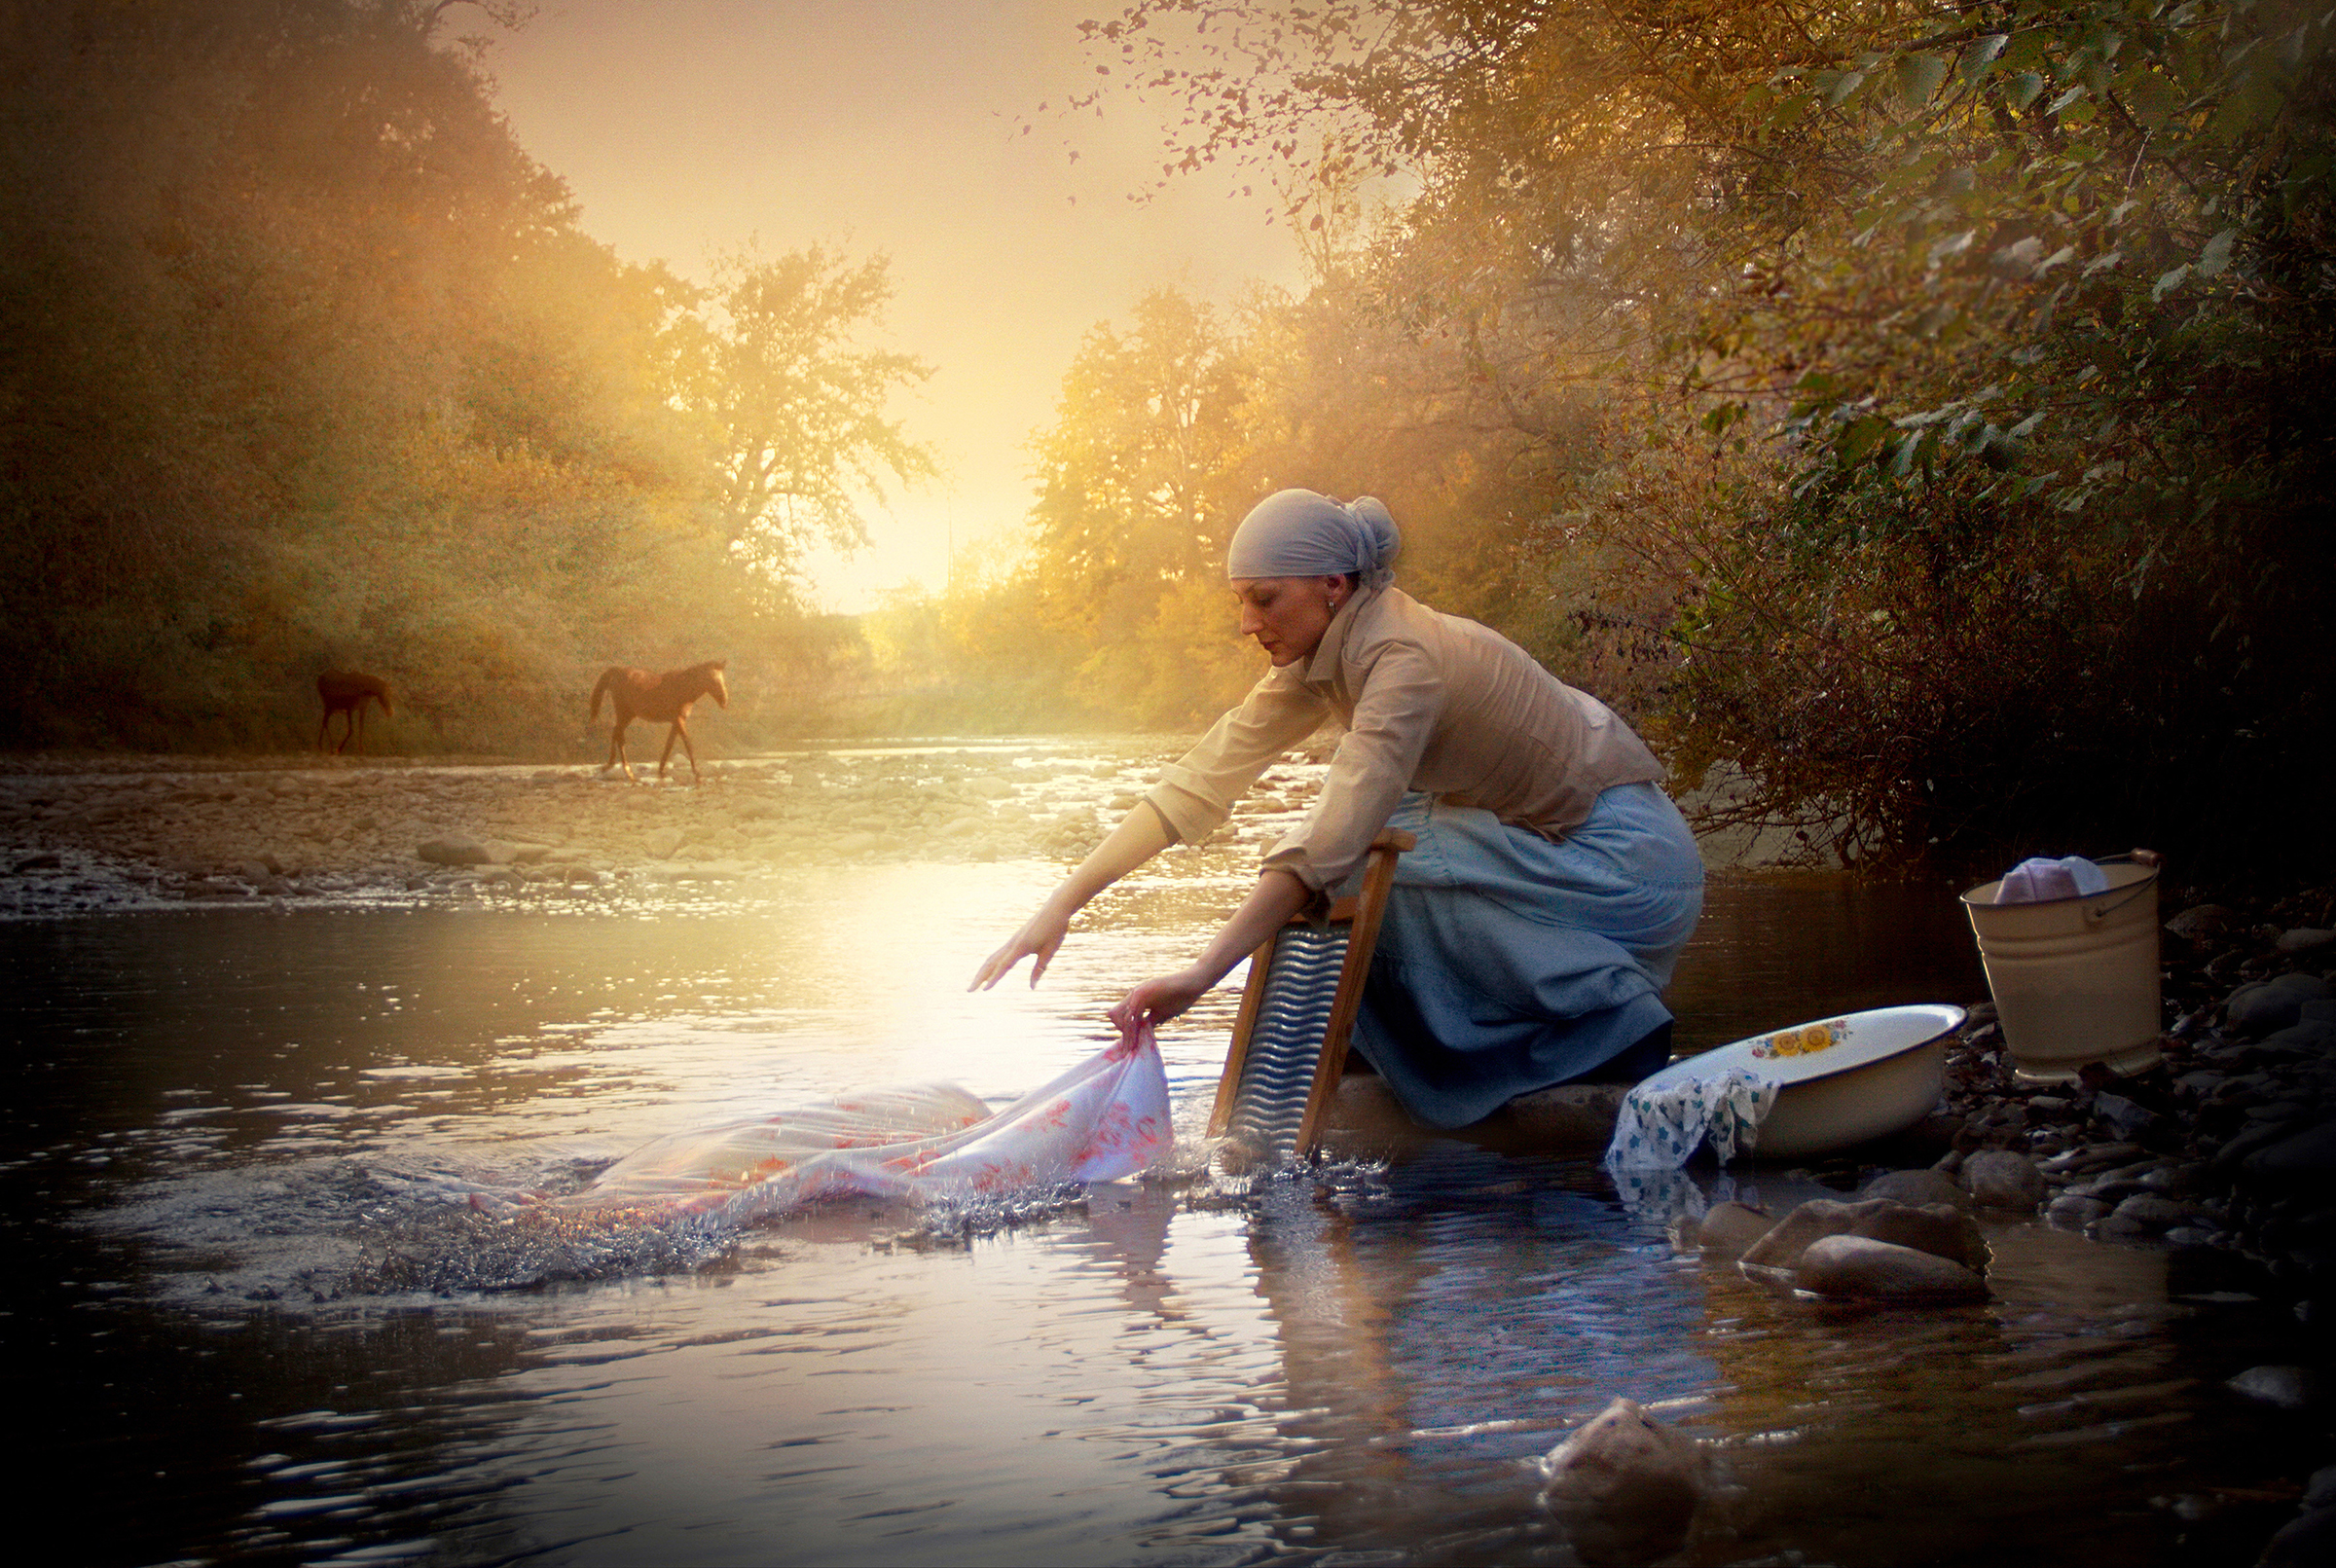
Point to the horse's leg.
(668, 752)
(356, 725)
(324, 727)
(686, 745)
(616, 746)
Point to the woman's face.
(1288, 615)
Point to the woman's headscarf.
(1297, 533)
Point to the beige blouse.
(1430, 702)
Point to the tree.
(796, 408)
(1998, 321)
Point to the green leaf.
(2216, 255)
(2170, 281)
(1859, 437)
(2022, 90)
(1920, 76)
(1978, 57)
(1842, 86)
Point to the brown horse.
(345, 691)
(662, 699)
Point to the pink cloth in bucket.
(1106, 1117)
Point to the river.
(243, 1321)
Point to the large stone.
(1625, 1486)
(2146, 1214)
(460, 849)
(2305, 939)
(2307, 1541)
(1808, 1222)
(1916, 1189)
(1861, 1267)
(2305, 1157)
(2075, 1211)
(1999, 1178)
(1731, 1227)
(2124, 1118)
(1941, 1229)
(2287, 1388)
(2201, 921)
(2260, 1007)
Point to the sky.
(688, 128)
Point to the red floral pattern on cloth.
(1106, 1117)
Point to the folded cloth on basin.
(1106, 1117)
(1660, 1126)
(2036, 879)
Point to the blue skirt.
(1507, 963)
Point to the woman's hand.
(1037, 939)
(1155, 1001)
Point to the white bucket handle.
(2102, 911)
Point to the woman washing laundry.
(1531, 932)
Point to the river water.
(245, 1322)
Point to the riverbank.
(81, 836)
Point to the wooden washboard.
(1289, 1047)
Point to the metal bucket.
(2075, 980)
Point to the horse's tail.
(608, 677)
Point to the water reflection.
(224, 1119)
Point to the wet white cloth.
(1660, 1128)
(2038, 880)
(1106, 1117)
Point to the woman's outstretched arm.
(1277, 897)
(1140, 834)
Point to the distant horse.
(662, 699)
(345, 691)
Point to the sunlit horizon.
(704, 126)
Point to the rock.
(2198, 921)
(2287, 1388)
(2321, 1490)
(454, 849)
(1625, 1486)
(1808, 1222)
(2092, 1157)
(2304, 939)
(1999, 1178)
(1731, 1227)
(1917, 1188)
(529, 854)
(2075, 1211)
(1942, 1229)
(2124, 1118)
(2260, 1007)
(989, 786)
(1859, 1267)
(2144, 1214)
(254, 872)
(2307, 1541)
(2306, 1156)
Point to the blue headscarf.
(1299, 533)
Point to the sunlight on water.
(253, 1293)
